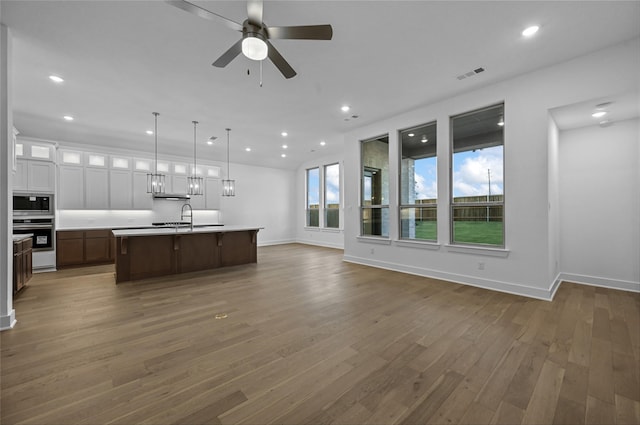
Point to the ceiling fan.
(254, 43)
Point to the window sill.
(323, 229)
(373, 239)
(417, 244)
(478, 250)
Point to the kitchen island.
(144, 253)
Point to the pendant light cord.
(228, 168)
(195, 123)
(155, 133)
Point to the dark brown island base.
(144, 253)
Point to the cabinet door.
(96, 250)
(27, 260)
(20, 176)
(120, 190)
(178, 184)
(69, 248)
(71, 188)
(18, 272)
(41, 176)
(212, 189)
(96, 187)
(141, 199)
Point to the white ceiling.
(122, 60)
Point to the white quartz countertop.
(183, 230)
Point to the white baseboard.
(510, 288)
(320, 243)
(280, 242)
(623, 285)
(8, 322)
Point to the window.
(477, 177)
(332, 196)
(375, 187)
(313, 197)
(418, 183)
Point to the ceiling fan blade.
(204, 13)
(304, 32)
(254, 10)
(229, 55)
(280, 63)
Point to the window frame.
(487, 204)
(323, 185)
(373, 207)
(402, 206)
(320, 200)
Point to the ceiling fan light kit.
(254, 43)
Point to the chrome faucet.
(182, 216)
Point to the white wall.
(524, 267)
(599, 204)
(332, 238)
(264, 197)
(554, 202)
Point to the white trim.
(8, 322)
(604, 282)
(320, 243)
(495, 285)
(478, 250)
(280, 242)
(417, 244)
(379, 241)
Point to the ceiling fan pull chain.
(261, 73)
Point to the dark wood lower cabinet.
(140, 257)
(83, 247)
(22, 263)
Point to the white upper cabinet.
(212, 189)
(141, 199)
(96, 189)
(35, 169)
(71, 187)
(121, 189)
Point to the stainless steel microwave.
(32, 204)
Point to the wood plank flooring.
(309, 339)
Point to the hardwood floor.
(310, 339)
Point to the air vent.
(470, 73)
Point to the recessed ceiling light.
(247, 149)
(284, 155)
(410, 134)
(68, 117)
(56, 79)
(528, 32)
(345, 108)
(284, 146)
(323, 143)
(149, 132)
(501, 123)
(209, 142)
(424, 139)
(284, 134)
(599, 114)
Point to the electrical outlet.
(480, 265)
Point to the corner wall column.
(7, 313)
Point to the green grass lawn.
(477, 232)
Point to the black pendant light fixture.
(228, 185)
(155, 180)
(194, 182)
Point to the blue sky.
(469, 174)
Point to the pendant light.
(155, 181)
(194, 183)
(228, 186)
